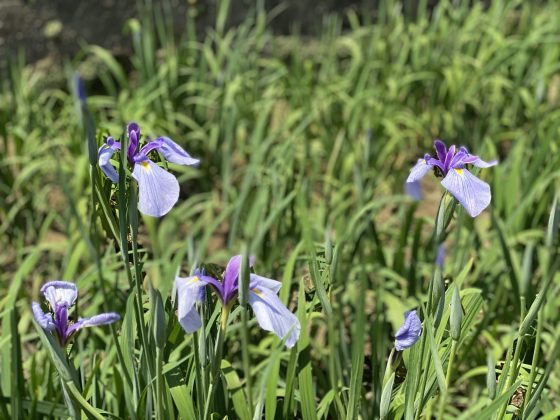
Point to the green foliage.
(305, 145)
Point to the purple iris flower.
(158, 189)
(61, 295)
(470, 191)
(409, 332)
(271, 314)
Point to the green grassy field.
(305, 145)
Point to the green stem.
(159, 384)
(217, 362)
(447, 379)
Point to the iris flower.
(61, 295)
(470, 191)
(271, 314)
(158, 189)
(409, 332)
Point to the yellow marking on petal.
(146, 166)
(257, 292)
(194, 280)
(459, 171)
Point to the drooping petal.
(418, 171)
(441, 150)
(158, 189)
(189, 291)
(44, 320)
(470, 191)
(175, 153)
(479, 163)
(94, 321)
(413, 190)
(259, 281)
(60, 293)
(409, 332)
(105, 155)
(273, 316)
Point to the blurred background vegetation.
(306, 135)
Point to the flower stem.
(443, 398)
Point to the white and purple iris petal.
(409, 332)
(61, 295)
(190, 290)
(473, 194)
(158, 190)
(106, 152)
(174, 153)
(271, 313)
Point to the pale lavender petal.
(44, 320)
(190, 290)
(105, 154)
(418, 171)
(441, 150)
(175, 153)
(273, 316)
(479, 163)
(413, 190)
(259, 281)
(409, 332)
(94, 321)
(231, 276)
(470, 191)
(60, 293)
(158, 189)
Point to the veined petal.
(273, 316)
(418, 171)
(44, 320)
(94, 321)
(105, 154)
(441, 149)
(60, 293)
(413, 189)
(409, 332)
(479, 163)
(158, 189)
(189, 291)
(175, 153)
(470, 191)
(259, 281)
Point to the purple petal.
(44, 320)
(105, 154)
(441, 149)
(133, 138)
(440, 257)
(158, 189)
(418, 171)
(409, 332)
(94, 321)
(175, 153)
(59, 293)
(448, 158)
(273, 316)
(231, 276)
(413, 190)
(189, 291)
(470, 191)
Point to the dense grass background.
(305, 145)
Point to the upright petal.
(158, 189)
(231, 276)
(44, 320)
(441, 149)
(418, 171)
(470, 191)
(105, 154)
(133, 139)
(273, 316)
(409, 332)
(175, 153)
(189, 291)
(60, 293)
(94, 321)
